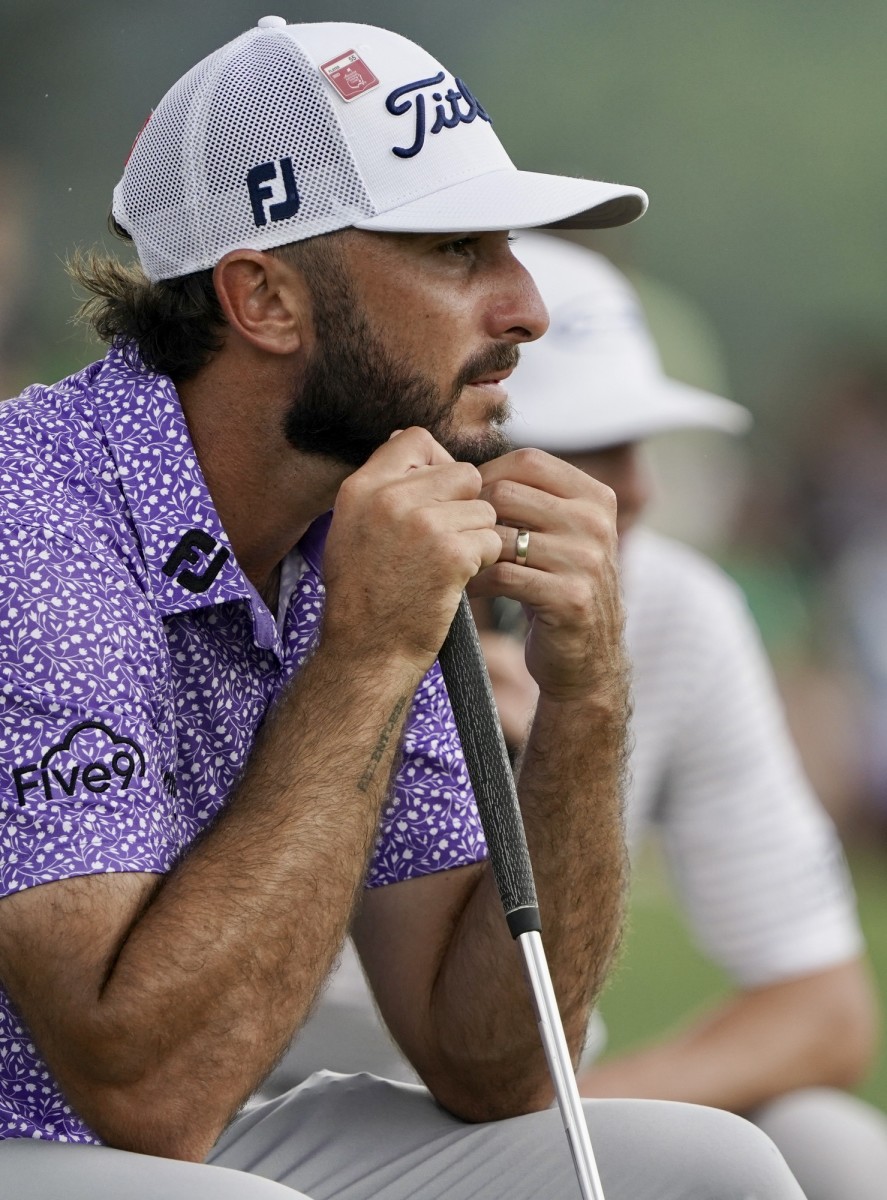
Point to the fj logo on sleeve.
(89, 758)
(189, 550)
(272, 191)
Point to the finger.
(463, 529)
(457, 516)
(529, 586)
(514, 539)
(537, 469)
(449, 481)
(473, 550)
(487, 544)
(524, 507)
(559, 559)
(520, 505)
(463, 516)
(404, 478)
(408, 448)
(544, 551)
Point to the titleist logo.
(456, 106)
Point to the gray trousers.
(834, 1143)
(358, 1137)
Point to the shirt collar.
(186, 550)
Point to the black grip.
(465, 674)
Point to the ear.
(264, 300)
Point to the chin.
(480, 447)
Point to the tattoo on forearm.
(382, 744)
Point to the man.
(211, 745)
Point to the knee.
(835, 1143)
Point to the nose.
(518, 313)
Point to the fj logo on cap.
(448, 111)
(349, 75)
(272, 191)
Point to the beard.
(354, 393)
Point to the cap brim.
(512, 199)
(663, 406)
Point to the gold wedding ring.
(522, 547)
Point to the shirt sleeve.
(755, 858)
(431, 822)
(86, 762)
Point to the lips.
(494, 378)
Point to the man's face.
(414, 330)
(624, 469)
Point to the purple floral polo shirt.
(137, 665)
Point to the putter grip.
(474, 709)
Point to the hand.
(570, 583)
(409, 530)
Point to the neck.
(265, 492)
(270, 593)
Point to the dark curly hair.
(175, 325)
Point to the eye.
(461, 247)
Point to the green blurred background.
(759, 131)
(757, 128)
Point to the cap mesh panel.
(184, 194)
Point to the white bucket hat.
(291, 131)
(595, 378)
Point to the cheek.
(432, 348)
(427, 329)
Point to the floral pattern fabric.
(138, 663)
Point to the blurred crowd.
(807, 542)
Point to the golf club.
(477, 720)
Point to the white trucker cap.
(290, 131)
(595, 378)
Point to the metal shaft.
(560, 1065)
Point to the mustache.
(498, 357)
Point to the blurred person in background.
(837, 498)
(754, 858)
(714, 775)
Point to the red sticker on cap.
(349, 75)
(137, 136)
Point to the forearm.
(815, 1031)
(572, 785)
(570, 789)
(225, 959)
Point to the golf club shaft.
(486, 757)
(560, 1064)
